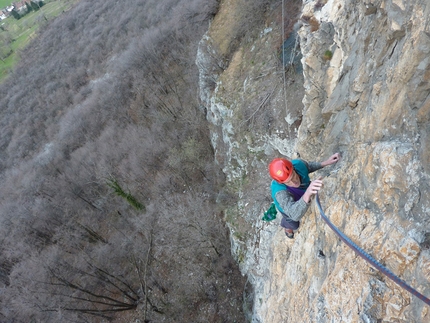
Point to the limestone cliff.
(364, 92)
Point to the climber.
(292, 188)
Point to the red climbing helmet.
(280, 169)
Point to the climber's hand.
(313, 189)
(332, 160)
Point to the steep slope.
(366, 94)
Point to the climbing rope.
(363, 254)
(283, 59)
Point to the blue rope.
(363, 254)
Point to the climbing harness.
(363, 254)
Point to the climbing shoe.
(289, 235)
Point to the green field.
(5, 3)
(16, 34)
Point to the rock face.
(365, 93)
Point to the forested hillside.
(108, 198)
